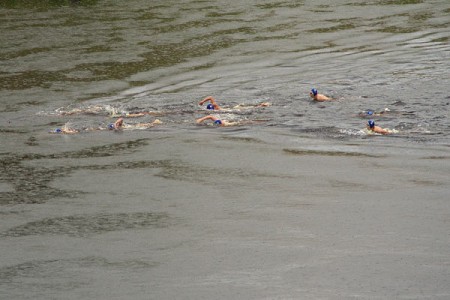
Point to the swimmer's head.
(210, 106)
(111, 126)
(57, 130)
(371, 123)
(314, 92)
(218, 122)
(369, 112)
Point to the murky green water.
(302, 204)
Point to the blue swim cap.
(218, 122)
(314, 91)
(111, 126)
(369, 112)
(371, 123)
(58, 130)
(210, 106)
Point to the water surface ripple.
(302, 202)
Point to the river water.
(302, 203)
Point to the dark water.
(302, 204)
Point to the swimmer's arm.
(209, 98)
(136, 115)
(209, 117)
(213, 102)
(118, 123)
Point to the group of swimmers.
(119, 124)
(313, 94)
(212, 105)
(370, 123)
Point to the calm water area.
(299, 201)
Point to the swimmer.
(262, 104)
(65, 130)
(89, 110)
(135, 114)
(143, 125)
(214, 106)
(371, 127)
(141, 114)
(107, 110)
(74, 111)
(318, 97)
(371, 113)
(225, 123)
(216, 121)
(119, 124)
